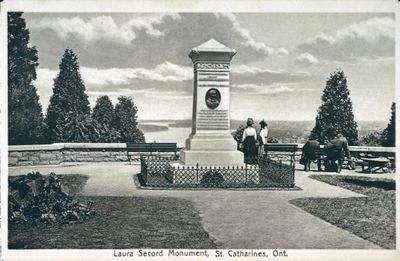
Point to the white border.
(285, 6)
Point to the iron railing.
(159, 171)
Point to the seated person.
(336, 149)
(308, 153)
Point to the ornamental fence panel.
(159, 171)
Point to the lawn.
(118, 222)
(372, 217)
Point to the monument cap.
(212, 46)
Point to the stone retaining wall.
(52, 154)
(26, 155)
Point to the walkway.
(258, 219)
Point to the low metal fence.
(158, 171)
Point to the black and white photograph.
(196, 133)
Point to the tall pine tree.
(68, 114)
(104, 118)
(389, 134)
(336, 110)
(25, 118)
(126, 121)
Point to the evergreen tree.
(126, 121)
(25, 118)
(336, 110)
(389, 134)
(69, 104)
(104, 119)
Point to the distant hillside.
(284, 131)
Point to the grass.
(372, 217)
(119, 222)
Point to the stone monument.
(210, 142)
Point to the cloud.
(125, 41)
(165, 72)
(306, 59)
(275, 88)
(282, 52)
(100, 28)
(244, 34)
(244, 74)
(372, 38)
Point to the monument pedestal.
(211, 143)
(211, 150)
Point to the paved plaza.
(258, 219)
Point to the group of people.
(336, 148)
(250, 141)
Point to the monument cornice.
(212, 50)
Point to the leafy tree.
(69, 104)
(389, 134)
(372, 139)
(104, 119)
(336, 110)
(25, 118)
(126, 121)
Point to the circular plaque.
(213, 98)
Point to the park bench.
(150, 148)
(282, 149)
(320, 154)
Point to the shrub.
(35, 197)
(212, 178)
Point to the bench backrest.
(281, 147)
(149, 147)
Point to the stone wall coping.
(363, 148)
(61, 146)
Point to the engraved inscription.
(212, 66)
(213, 120)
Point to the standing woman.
(264, 136)
(249, 142)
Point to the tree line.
(69, 117)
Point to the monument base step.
(212, 158)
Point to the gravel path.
(257, 219)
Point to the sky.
(279, 72)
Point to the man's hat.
(263, 123)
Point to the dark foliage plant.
(68, 111)
(104, 119)
(126, 121)
(212, 178)
(34, 197)
(336, 111)
(389, 134)
(25, 118)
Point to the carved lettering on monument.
(212, 66)
(213, 120)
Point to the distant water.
(172, 134)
